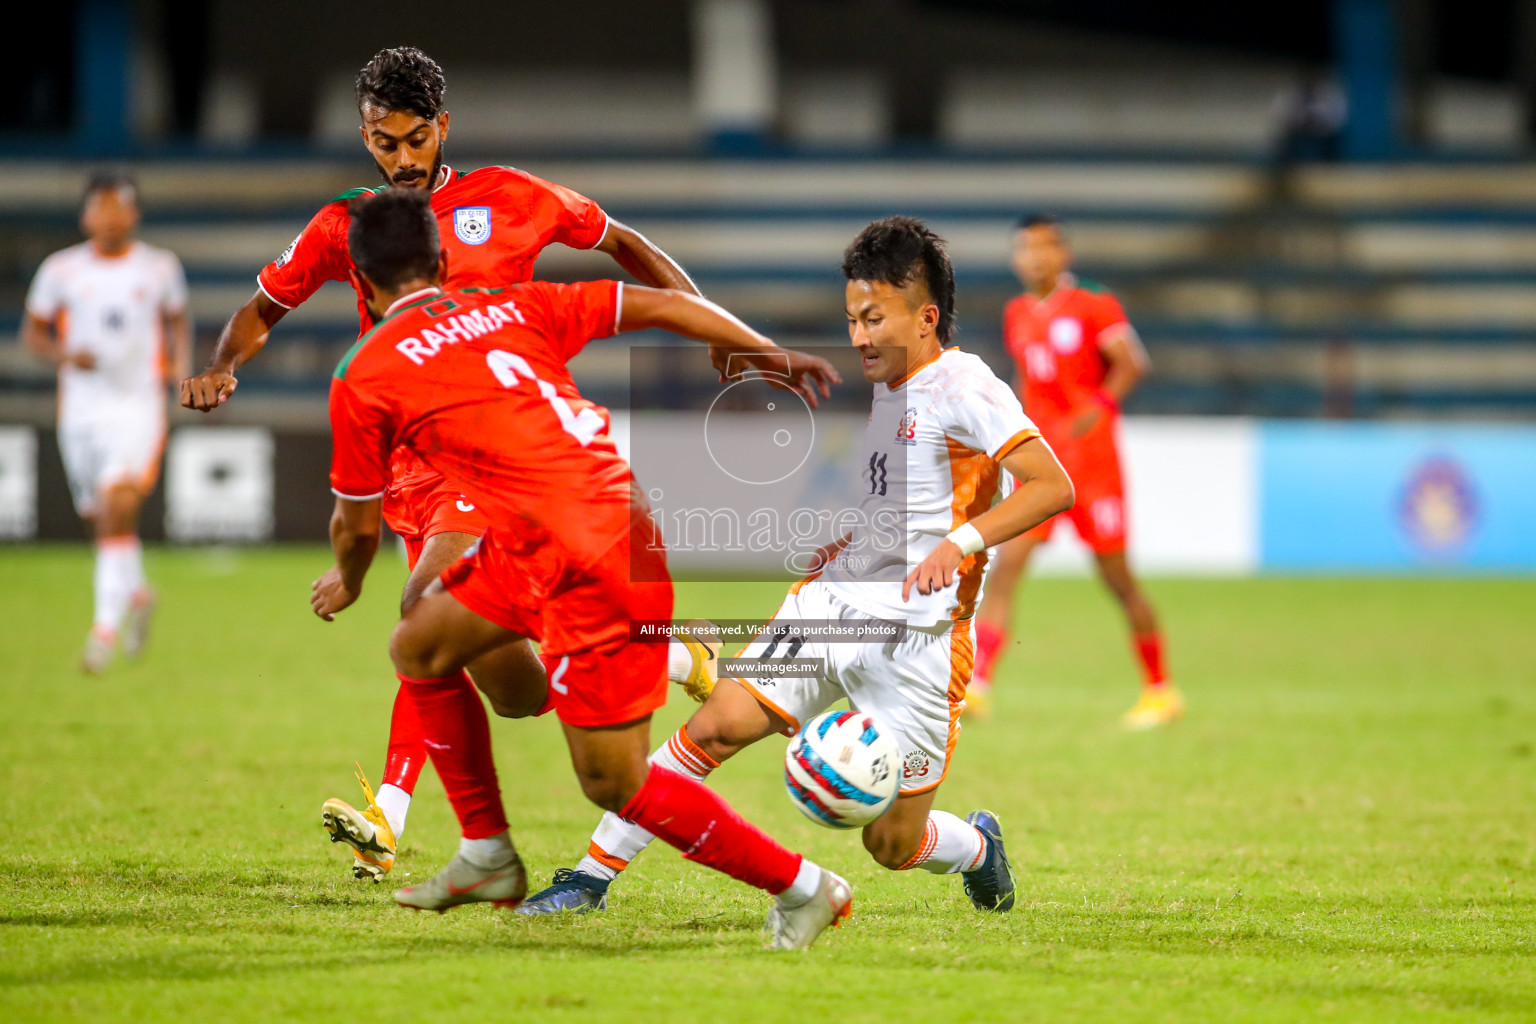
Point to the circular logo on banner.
(773, 433)
(1439, 505)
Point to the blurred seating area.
(1314, 289)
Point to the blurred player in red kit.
(494, 221)
(475, 381)
(1078, 358)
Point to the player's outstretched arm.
(1042, 490)
(241, 339)
(641, 258)
(650, 266)
(698, 318)
(355, 530)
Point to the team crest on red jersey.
(906, 430)
(1066, 335)
(472, 224)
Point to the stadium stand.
(1395, 289)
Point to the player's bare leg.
(729, 721)
(511, 676)
(995, 617)
(611, 765)
(1160, 701)
(124, 601)
(438, 637)
(914, 835)
(911, 834)
(430, 646)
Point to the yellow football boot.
(366, 831)
(703, 643)
(1158, 705)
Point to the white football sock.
(490, 853)
(679, 661)
(119, 572)
(620, 841)
(807, 881)
(949, 845)
(135, 569)
(615, 843)
(394, 802)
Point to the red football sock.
(407, 753)
(457, 735)
(698, 821)
(989, 640)
(1149, 648)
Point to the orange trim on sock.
(118, 540)
(684, 744)
(605, 858)
(983, 852)
(925, 848)
(680, 754)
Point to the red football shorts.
(1093, 463)
(420, 503)
(583, 614)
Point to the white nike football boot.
(462, 882)
(798, 927)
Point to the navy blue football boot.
(572, 892)
(990, 883)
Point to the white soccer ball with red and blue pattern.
(842, 769)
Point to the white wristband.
(967, 538)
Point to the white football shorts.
(914, 683)
(104, 453)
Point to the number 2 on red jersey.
(511, 369)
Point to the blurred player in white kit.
(111, 314)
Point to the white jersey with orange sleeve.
(930, 463)
(112, 307)
(111, 417)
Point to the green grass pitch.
(1342, 829)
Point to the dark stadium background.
(1313, 211)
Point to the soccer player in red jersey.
(1078, 359)
(475, 381)
(495, 221)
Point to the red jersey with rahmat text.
(475, 383)
(494, 222)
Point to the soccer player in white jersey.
(111, 314)
(944, 433)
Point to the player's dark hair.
(110, 181)
(900, 250)
(1041, 219)
(393, 237)
(402, 78)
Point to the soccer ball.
(842, 769)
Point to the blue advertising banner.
(1405, 497)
